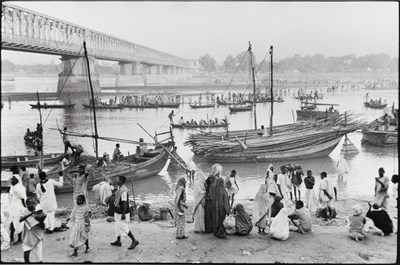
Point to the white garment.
(121, 226)
(327, 186)
(199, 191)
(105, 191)
(15, 206)
(36, 253)
(5, 236)
(284, 188)
(280, 225)
(342, 165)
(395, 190)
(48, 199)
(311, 201)
(51, 219)
(64, 163)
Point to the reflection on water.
(123, 124)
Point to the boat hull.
(202, 106)
(51, 106)
(199, 126)
(380, 138)
(151, 106)
(149, 167)
(312, 114)
(30, 161)
(372, 106)
(102, 107)
(314, 151)
(240, 109)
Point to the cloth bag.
(230, 224)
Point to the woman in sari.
(243, 222)
(180, 203)
(220, 207)
(261, 207)
(80, 216)
(269, 174)
(208, 213)
(199, 202)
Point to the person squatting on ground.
(378, 219)
(80, 216)
(122, 214)
(356, 223)
(47, 197)
(180, 203)
(243, 222)
(303, 225)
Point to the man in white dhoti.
(122, 215)
(16, 205)
(47, 197)
(282, 184)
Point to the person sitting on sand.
(381, 222)
(356, 223)
(302, 214)
(243, 222)
(276, 206)
(280, 225)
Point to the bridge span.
(29, 31)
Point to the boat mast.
(272, 92)
(93, 105)
(254, 85)
(40, 133)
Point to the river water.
(18, 116)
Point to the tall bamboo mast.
(254, 84)
(272, 92)
(93, 105)
(40, 133)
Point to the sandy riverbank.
(327, 243)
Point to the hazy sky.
(193, 29)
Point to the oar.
(241, 143)
(164, 148)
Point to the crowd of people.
(203, 122)
(279, 206)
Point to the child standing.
(230, 188)
(32, 233)
(80, 230)
(356, 224)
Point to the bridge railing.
(27, 30)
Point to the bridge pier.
(74, 78)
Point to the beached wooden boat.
(52, 106)
(240, 108)
(202, 106)
(88, 106)
(306, 112)
(30, 161)
(133, 168)
(375, 105)
(303, 140)
(185, 126)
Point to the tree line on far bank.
(317, 63)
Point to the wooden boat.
(52, 106)
(375, 133)
(168, 105)
(240, 108)
(202, 106)
(30, 161)
(133, 168)
(184, 126)
(375, 105)
(306, 112)
(307, 139)
(229, 103)
(309, 97)
(88, 106)
(149, 106)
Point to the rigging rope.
(62, 87)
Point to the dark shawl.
(208, 215)
(276, 206)
(220, 207)
(242, 220)
(381, 220)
